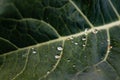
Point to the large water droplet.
(84, 38)
(57, 56)
(59, 48)
(34, 52)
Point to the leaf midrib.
(99, 28)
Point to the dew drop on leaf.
(74, 66)
(57, 56)
(59, 48)
(76, 43)
(34, 52)
(83, 45)
(68, 60)
(84, 38)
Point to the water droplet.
(34, 52)
(59, 48)
(95, 31)
(68, 60)
(57, 56)
(76, 43)
(84, 38)
(74, 66)
(83, 45)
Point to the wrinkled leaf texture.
(59, 40)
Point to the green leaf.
(59, 40)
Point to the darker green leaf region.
(6, 46)
(24, 32)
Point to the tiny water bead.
(68, 60)
(34, 52)
(59, 48)
(76, 43)
(74, 66)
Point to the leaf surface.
(59, 40)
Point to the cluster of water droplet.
(34, 51)
(59, 48)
